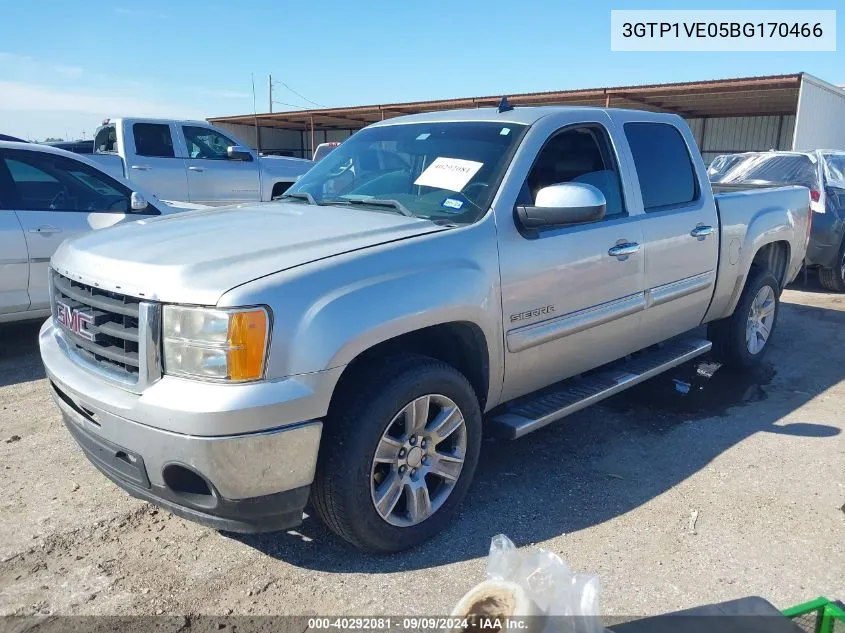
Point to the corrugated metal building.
(727, 115)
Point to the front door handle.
(701, 231)
(141, 167)
(192, 168)
(624, 249)
(46, 229)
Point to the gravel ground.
(760, 460)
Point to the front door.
(570, 301)
(212, 177)
(57, 198)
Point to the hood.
(177, 206)
(285, 166)
(197, 256)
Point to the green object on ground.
(818, 616)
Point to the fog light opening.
(184, 481)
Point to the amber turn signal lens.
(247, 344)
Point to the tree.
(50, 139)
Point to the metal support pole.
(312, 135)
(270, 91)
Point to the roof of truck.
(148, 119)
(525, 115)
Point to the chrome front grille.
(102, 327)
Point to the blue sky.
(66, 65)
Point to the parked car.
(192, 160)
(821, 171)
(77, 147)
(505, 268)
(722, 163)
(46, 196)
(323, 150)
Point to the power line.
(304, 98)
(290, 105)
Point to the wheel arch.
(460, 344)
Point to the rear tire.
(379, 482)
(833, 279)
(742, 339)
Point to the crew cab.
(192, 161)
(347, 344)
(48, 195)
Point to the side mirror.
(238, 152)
(565, 203)
(137, 202)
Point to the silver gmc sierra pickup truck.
(436, 276)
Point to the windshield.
(787, 169)
(835, 168)
(438, 171)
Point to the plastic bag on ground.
(534, 586)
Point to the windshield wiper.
(375, 202)
(298, 195)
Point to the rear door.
(57, 198)
(152, 159)
(213, 178)
(680, 225)
(14, 260)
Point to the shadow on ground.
(20, 360)
(611, 458)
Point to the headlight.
(214, 344)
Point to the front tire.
(833, 279)
(398, 453)
(742, 339)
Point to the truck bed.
(749, 216)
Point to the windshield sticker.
(505, 131)
(451, 203)
(423, 136)
(451, 174)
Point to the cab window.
(205, 143)
(579, 155)
(153, 139)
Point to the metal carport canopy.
(749, 96)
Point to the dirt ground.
(732, 489)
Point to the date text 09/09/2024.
(722, 29)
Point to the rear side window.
(153, 139)
(663, 165)
(106, 140)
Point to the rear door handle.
(46, 229)
(141, 167)
(192, 168)
(624, 249)
(701, 231)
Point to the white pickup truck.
(192, 161)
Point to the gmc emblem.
(77, 321)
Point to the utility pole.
(270, 91)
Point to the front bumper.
(239, 481)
